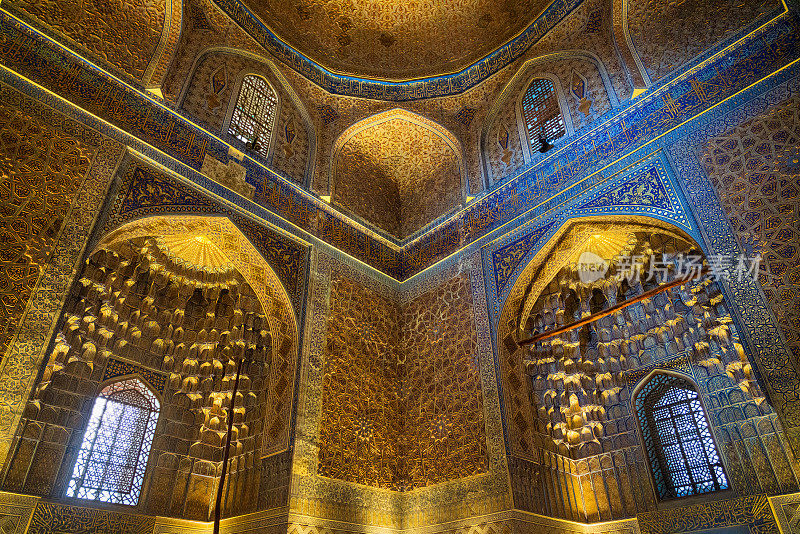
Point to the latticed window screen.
(113, 456)
(541, 112)
(254, 114)
(681, 451)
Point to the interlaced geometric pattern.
(113, 456)
(254, 114)
(682, 454)
(541, 112)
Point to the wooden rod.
(613, 309)
(226, 451)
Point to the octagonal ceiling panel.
(396, 39)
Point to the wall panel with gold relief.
(671, 35)
(738, 174)
(755, 171)
(402, 395)
(123, 35)
(55, 172)
(405, 400)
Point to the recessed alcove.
(397, 171)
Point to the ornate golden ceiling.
(397, 171)
(396, 39)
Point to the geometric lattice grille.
(113, 456)
(682, 454)
(254, 114)
(541, 112)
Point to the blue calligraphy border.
(398, 91)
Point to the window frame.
(531, 147)
(232, 103)
(69, 467)
(640, 425)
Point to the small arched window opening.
(681, 451)
(113, 455)
(254, 114)
(542, 113)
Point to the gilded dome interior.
(396, 40)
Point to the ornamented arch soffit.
(397, 171)
(214, 248)
(607, 238)
(397, 40)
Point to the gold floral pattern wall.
(444, 407)
(361, 412)
(402, 400)
(122, 33)
(43, 162)
(397, 173)
(668, 34)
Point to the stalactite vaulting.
(175, 311)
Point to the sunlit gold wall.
(122, 34)
(362, 411)
(402, 402)
(444, 423)
(43, 161)
(48, 163)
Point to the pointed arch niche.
(397, 171)
(505, 140)
(567, 398)
(178, 301)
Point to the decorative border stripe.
(417, 89)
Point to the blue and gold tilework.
(644, 189)
(709, 83)
(116, 368)
(145, 192)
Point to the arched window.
(113, 456)
(682, 454)
(542, 114)
(254, 114)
